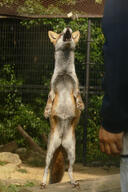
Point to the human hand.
(110, 143)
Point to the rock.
(10, 158)
(13, 162)
(6, 170)
(1, 146)
(21, 150)
(35, 158)
(31, 157)
(10, 147)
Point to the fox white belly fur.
(65, 107)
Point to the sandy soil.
(80, 173)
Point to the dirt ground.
(27, 173)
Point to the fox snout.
(67, 35)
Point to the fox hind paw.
(42, 186)
(76, 185)
(80, 105)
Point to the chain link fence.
(27, 63)
(26, 67)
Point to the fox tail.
(57, 166)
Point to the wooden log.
(44, 137)
(34, 146)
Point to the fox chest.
(64, 103)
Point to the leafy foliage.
(14, 187)
(7, 3)
(99, 1)
(37, 7)
(14, 112)
(94, 122)
(2, 163)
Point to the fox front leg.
(79, 102)
(76, 93)
(48, 108)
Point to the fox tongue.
(67, 35)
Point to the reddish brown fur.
(57, 166)
(55, 104)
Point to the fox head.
(65, 40)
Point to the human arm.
(115, 101)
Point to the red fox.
(63, 107)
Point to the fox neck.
(64, 61)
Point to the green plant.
(10, 101)
(14, 187)
(93, 124)
(22, 170)
(99, 1)
(2, 163)
(94, 121)
(29, 184)
(13, 111)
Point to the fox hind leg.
(54, 143)
(68, 143)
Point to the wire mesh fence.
(26, 67)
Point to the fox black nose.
(67, 35)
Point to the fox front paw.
(76, 184)
(42, 186)
(47, 112)
(80, 105)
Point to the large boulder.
(10, 158)
(9, 162)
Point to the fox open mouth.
(67, 35)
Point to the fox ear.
(53, 36)
(76, 36)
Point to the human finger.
(102, 148)
(107, 148)
(114, 148)
(119, 144)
